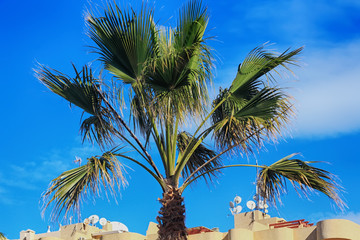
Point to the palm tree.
(167, 72)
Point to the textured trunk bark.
(172, 216)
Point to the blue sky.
(40, 134)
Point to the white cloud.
(328, 96)
(3, 197)
(33, 174)
(352, 216)
(6, 198)
(326, 90)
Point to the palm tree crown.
(167, 72)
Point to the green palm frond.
(181, 72)
(2, 236)
(125, 40)
(98, 129)
(190, 40)
(200, 156)
(67, 191)
(261, 63)
(82, 91)
(139, 116)
(248, 123)
(177, 90)
(251, 110)
(191, 25)
(301, 174)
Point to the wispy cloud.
(327, 95)
(4, 197)
(325, 90)
(35, 174)
(352, 216)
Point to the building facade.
(253, 225)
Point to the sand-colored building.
(253, 225)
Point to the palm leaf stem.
(188, 154)
(131, 144)
(171, 137)
(149, 159)
(207, 117)
(159, 145)
(155, 133)
(174, 140)
(169, 147)
(157, 178)
(181, 162)
(168, 139)
(185, 184)
(219, 154)
(228, 149)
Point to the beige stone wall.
(48, 235)
(208, 236)
(27, 235)
(306, 233)
(240, 234)
(76, 231)
(254, 221)
(274, 234)
(123, 236)
(152, 237)
(337, 229)
(50, 238)
(152, 229)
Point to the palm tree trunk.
(172, 216)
